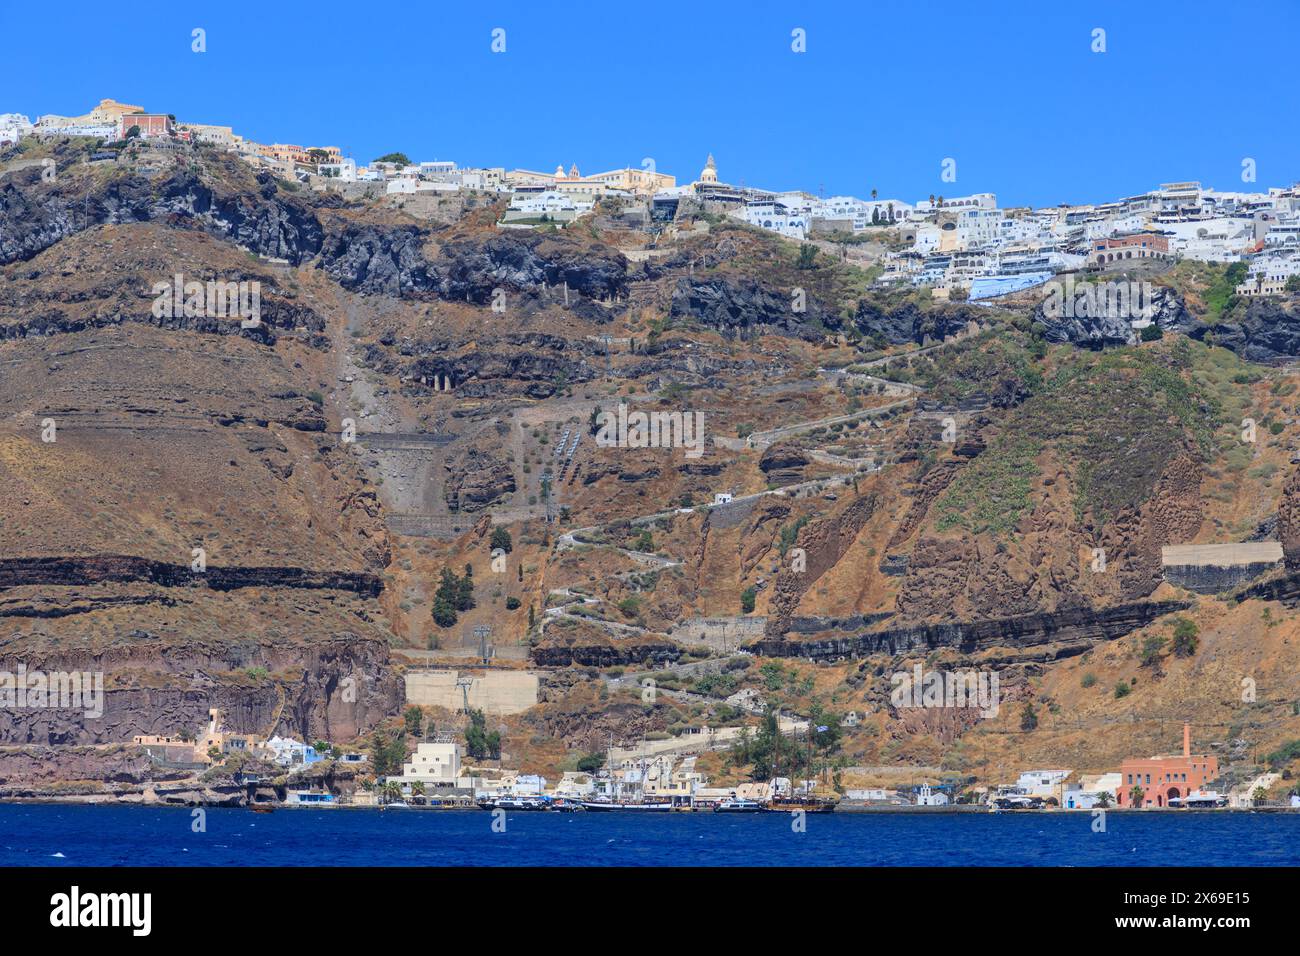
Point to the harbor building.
(1161, 778)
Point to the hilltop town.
(412, 483)
(959, 247)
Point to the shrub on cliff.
(1185, 637)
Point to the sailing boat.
(640, 803)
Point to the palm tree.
(874, 194)
(1135, 795)
(417, 791)
(1103, 800)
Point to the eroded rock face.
(34, 218)
(1080, 627)
(909, 323)
(1044, 566)
(1288, 519)
(376, 260)
(743, 307)
(783, 463)
(825, 542)
(121, 568)
(478, 481)
(334, 689)
(1106, 319)
(1268, 332)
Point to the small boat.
(1016, 802)
(645, 807)
(808, 804)
(738, 805)
(397, 805)
(261, 808)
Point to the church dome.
(710, 172)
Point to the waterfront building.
(1046, 784)
(308, 798)
(1160, 778)
(927, 796)
(434, 763)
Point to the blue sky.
(885, 92)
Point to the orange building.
(149, 124)
(1163, 777)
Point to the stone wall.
(493, 692)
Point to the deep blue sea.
(45, 835)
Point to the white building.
(288, 752)
(1042, 783)
(774, 216)
(548, 202)
(13, 127)
(975, 201)
(433, 764)
(345, 170)
(1087, 793)
(97, 130)
(927, 796)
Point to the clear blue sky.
(885, 91)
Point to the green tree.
(1185, 637)
(590, 763)
(1135, 796)
(480, 743)
(1151, 648)
(1028, 717)
(400, 158)
(379, 753)
(768, 752)
(414, 718)
(501, 540)
(807, 256)
(747, 598)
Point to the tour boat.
(738, 805)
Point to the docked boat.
(738, 805)
(642, 806)
(1015, 802)
(808, 804)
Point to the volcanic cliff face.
(180, 515)
(1267, 330)
(257, 517)
(35, 215)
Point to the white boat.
(738, 805)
